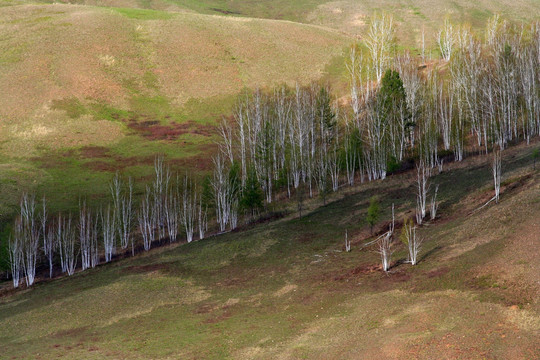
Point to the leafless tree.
(445, 40)
(375, 155)
(172, 213)
(384, 244)
(108, 222)
(412, 242)
(85, 234)
(146, 225)
(189, 208)
(351, 153)
(434, 205)
(123, 210)
(347, 242)
(203, 219)
(380, 40)
(49, 245)
(66, 240)
(160, 189)
(15, 257)
(221, 193)
(29, 233)
(94, 243)
(354, 67)
(422, 187)
(496, 170)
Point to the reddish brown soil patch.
(200, 162)
(222, 317)
(141, 269)
(398, 277)
(359, 270)
(438, 272)
(99, 165)
(153, 130)
(204, 309)
(90, 152)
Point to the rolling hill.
(132, 83)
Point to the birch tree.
(189, 208)
(172, 213)
(411, 241)
(29, 233)
(380, 40)
(15, 257)
(422, 187)
(496, 167)
(108, 225)
(202, 219)
(146, 224)
(85, 237)
(445, 40)
(49, 245)
(66, 240)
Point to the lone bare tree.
(347, 242)
(413, 243)
(384, 243)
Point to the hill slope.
(133, 83)
(63, 52)
(286, 290)
(349, 16)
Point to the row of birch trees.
(169, 207)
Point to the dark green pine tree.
(325, 109)
(392, 92)
(252, 195)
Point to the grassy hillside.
(88, 90)
(286, 290)
(349, 16)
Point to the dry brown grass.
(57, 52)
(351, 16)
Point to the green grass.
(144, 14)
